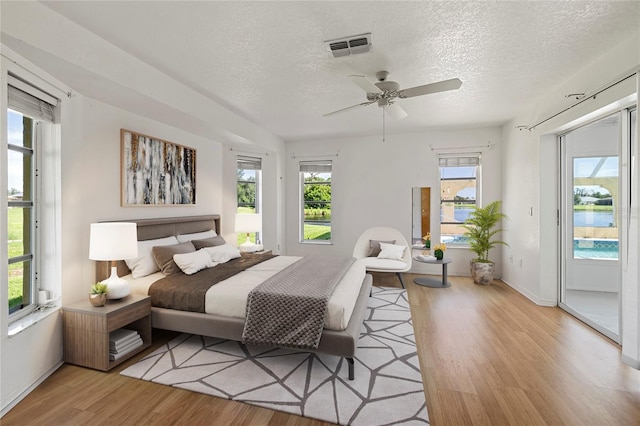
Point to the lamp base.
(117, 287)
(248, 247)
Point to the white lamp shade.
(246, 222)
(113, 241)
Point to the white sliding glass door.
(591, 203)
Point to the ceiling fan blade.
(348, 108)
(441, 86)
(365, 84)
(395, 111)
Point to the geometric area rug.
(387, 388)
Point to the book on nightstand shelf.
(121, 337)
(123, 341)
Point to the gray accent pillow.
(163, 256)
(374, 247)
(208, 242)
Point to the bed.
(338, 340)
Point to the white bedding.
(229, 297)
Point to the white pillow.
(183, 238)
(391, 251)
(145, 264)
(222, 253)
(190, 263)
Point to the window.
(459, 177)
(315, 216)
(27, 115)
(249, 190)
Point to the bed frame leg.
(351, 363)
(401, 280)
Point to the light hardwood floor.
(488, 355)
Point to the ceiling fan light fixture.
(385, 93)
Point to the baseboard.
(631, 362)
(535, 299)
(30, 389)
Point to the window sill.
(320, 242)
(36, 316)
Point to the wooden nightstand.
(87, 328)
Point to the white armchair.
(376, 264)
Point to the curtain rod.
(248, 152)
(293, 155)
(452, 148)
(585, 97)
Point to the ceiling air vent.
(352, 45)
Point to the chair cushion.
(377, 264)
(391, 251)
(374, 246)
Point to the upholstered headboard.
(150, 229)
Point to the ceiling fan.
(386, 92)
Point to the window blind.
(31, 101)
(315, 166)
(459, 161)
(249, 163)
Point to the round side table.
(432, 282)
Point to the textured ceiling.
(267, 61)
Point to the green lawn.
(15, 248)
(311, 232)
(317, 232)
(592, 207)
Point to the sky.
(603, 166)
(14, 168)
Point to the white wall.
(531, 179)
(372, 183)
(91, 182)
(139, 98)
(35, 352)
(372, 179)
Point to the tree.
(246, 190)
(317, 189)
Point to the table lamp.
(113, 241)
(247, 222)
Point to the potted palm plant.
(481, 229)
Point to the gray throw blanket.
(288, 309)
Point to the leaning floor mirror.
(421, 213)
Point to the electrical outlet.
(521, 263)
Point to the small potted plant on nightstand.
(98, 294)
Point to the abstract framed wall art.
(155, 172)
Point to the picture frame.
(155, 172)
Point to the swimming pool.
(583, 248)
(587, 248)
